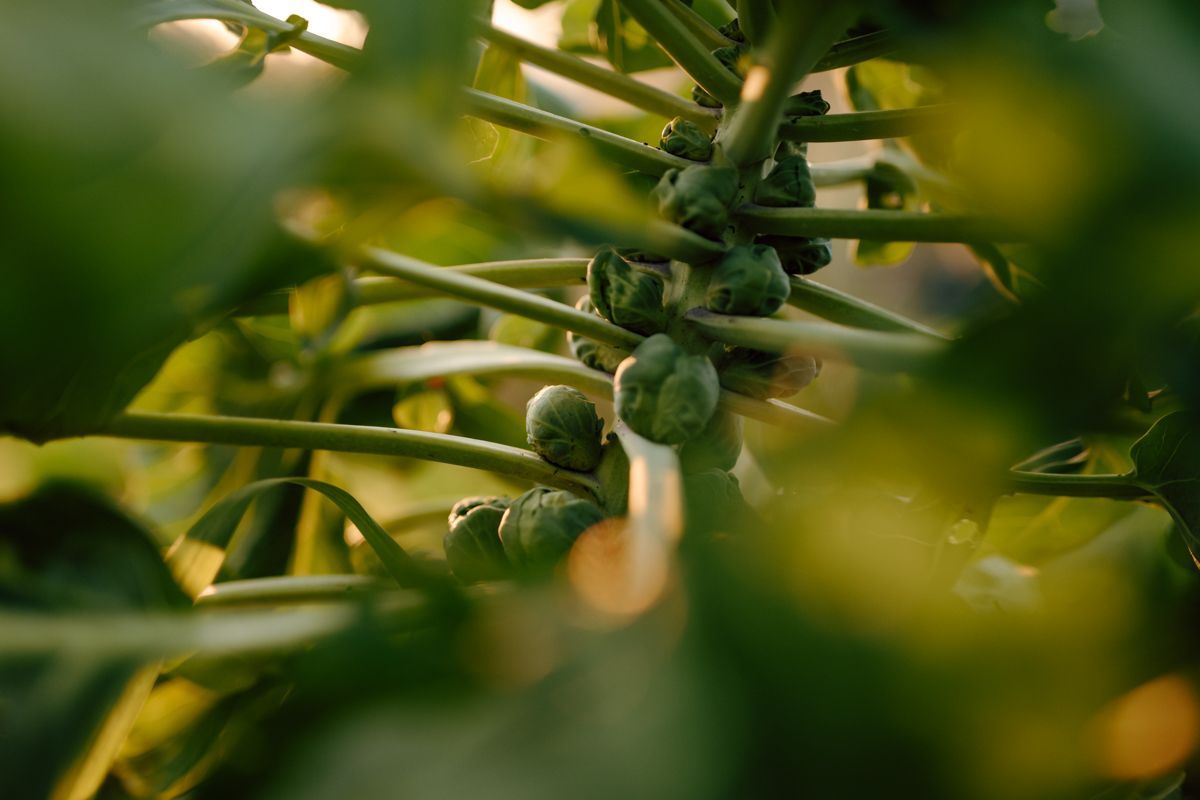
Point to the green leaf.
(130, 219)
(509, 329)
(197, 555)
(602, 27)
(424, 408)
(1166, 461)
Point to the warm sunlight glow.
(1150, 730)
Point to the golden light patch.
(1149, 730)
(614, 574)
(756, 82)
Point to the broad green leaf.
(196, 557)
(1166, 461)
(129, 218)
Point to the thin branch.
(698, 26)
(288, 589)
(895, 226)
(889, 352)
(846, 309)
(514, 301)
(803, 34)
(545, 125)
(1116, 487)
(861, 125)
(444, 448)
(687, 51)
(612, 83)
(856, 49)
(532, 273)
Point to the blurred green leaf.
(602, 27)
(509, 329)
(1167, 462)
(424, 407)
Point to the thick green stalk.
(545, 125)
(254, 432)
(532, 273)
(1116, 487)
(871, 124)
(895, 226)
(899, 352)
(803, 34)
(846, 309)
(688, 52)
(612, 83)
(756, 19)
(514, 301)
(856, 49)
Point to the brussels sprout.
(562, 427)
(641, 256)
(613, 474)
(714, 504)
(625, 296)
(540, 526)
(686, 140)
(763, 375)
(800, 255)
(663, 393)
(805, 104)
(748, 280)
(473, 548)
(731, 56)
(594, 354)
(704, 98)
(716, 447)
(733, 30)
(698, 198)
(789, 184)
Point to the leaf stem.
(865, 348)
(896, 226)
(846, 309)
(803, 34)
(612, 83)
(514, 301)
(698, 26)
(532, 273)
(1115, 487)
(447, 449)
(685, 49)
(860, 125)
(289, 589)
(545, 125)
(856, 49)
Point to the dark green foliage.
(472, 543)
(686, 139)
(749, 280)
(599, 356)
(540, 526)
(806, 104)
(764, 375)
(716, 447)
(800, 255)
(698, 198)
(663, 393)
(789, 184)
(624, 295)
(563, 428)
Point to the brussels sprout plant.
(310, 328)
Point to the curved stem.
(856, 49)
(898, 352)
(896, 226)
(289, 589)
(514, 301)
(861, 125)
(447, 449)
(689, 53)
(698, 26)
(533, 273)
(803, 34)
(545, 125)
(327, 50)
(846, 309)
(1116, 487)
(612, 83)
